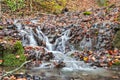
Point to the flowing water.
(58, 48)
(62, 50)
(35, 37)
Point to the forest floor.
(73, 6)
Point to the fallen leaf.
(115, 77)
(17, 56)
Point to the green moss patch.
(87, 13)
(14, 55)
(116, 63)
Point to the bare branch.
(10, 72)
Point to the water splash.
(36, 37)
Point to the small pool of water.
(59, 74)
(65, 74)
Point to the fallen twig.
(10, 72)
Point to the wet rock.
(42, 74)
(27, 76)
(6, 78)
(96, 64)
(51, 78)
(35, 77)
(59, 64)
(11, 27)
(84, 74)
(48, 56)
(65, 10)
(2, 33)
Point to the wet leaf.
(115, 77)
(85, 59)
(118, 57)
(17, 56)
(110, 63)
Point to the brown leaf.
(115, 77)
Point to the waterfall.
(28, 38)
(31, 37)
(61, 42)
(36, 37)
(44, 38)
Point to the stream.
(69, 52)
(57, 49)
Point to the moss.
(1, 27)
(18, 47)
(52, 6)
(11, 60)
(117, 63)
(15, 4)
(87, 13)
(11, 52)
(102, 2)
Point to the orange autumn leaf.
(110, 52)
(110, 63)
(85, 59)
(1, 61)
(115, 51)
(118, 57)
(27, 22)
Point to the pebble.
(84, 74)
(36, 78)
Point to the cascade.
(36, 37)
(58, 48)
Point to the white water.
(59, 47)
(28, 38)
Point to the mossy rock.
(102, 2)
(14, 56)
